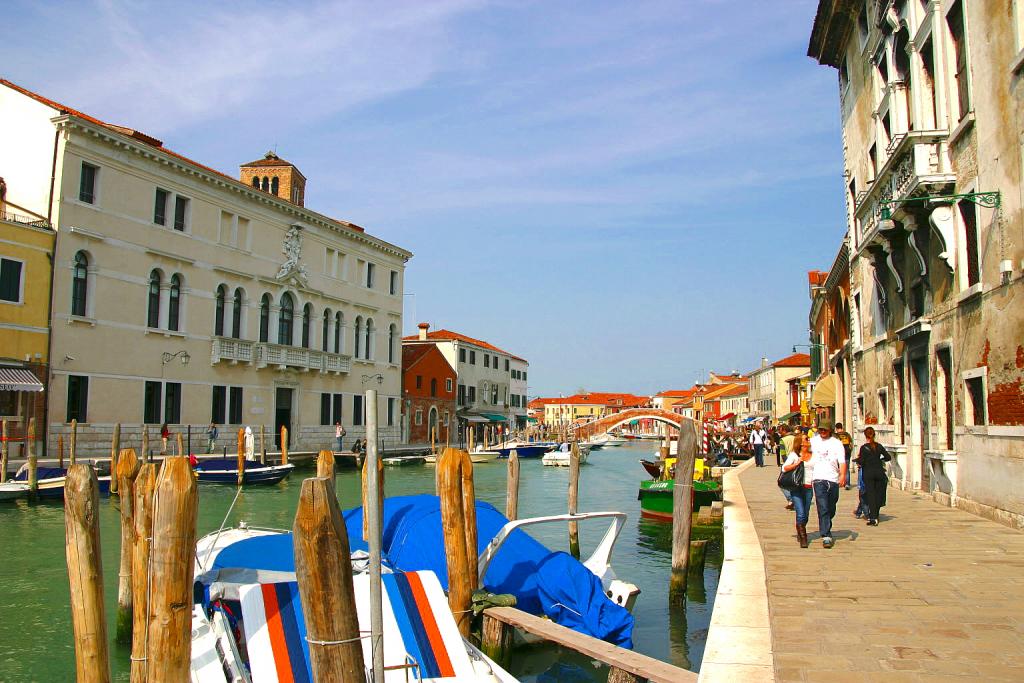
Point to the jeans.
(759, 454)
(211, 443)
(337, 442)
(848, 471)
(787, 494)
(826, 495)
(801, 503)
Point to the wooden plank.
(635, 663)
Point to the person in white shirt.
(827, 473)
(757, 440)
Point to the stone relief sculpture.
(292, 270)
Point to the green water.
(35, 620)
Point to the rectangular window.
(419, 416)
(336, 408)
(78, 398)
(391, 412)
(462, 355)
(151, 403)
(172, 403)
(976, 413)
(218, 413)
(487, 361)
(87, 183)
(235, 405)
(10, 280)
(393, 287)
(448, 385)
(370, 268)
(883, 406)
(944, 392)
(955, 19)
(419, 381)
(461, 398)
(160, 207)
(325, 409)
(472, 357)
(357, 410)
(524, 376)
(472, 395)
(969, 215)
(506, 365)
(180, 213)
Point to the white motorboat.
(605, 441)
(477, 455)
(560, 458)
(12, 490)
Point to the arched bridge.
(610, 422)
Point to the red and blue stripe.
(416, 623)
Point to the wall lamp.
(989, 200)
(379, 377)
(807, 346)
(168, 357)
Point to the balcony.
(279, 356)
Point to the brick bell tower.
(276, 176)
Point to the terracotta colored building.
(428, 392)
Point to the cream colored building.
(185, 296)
(933, 127)
(768, 392)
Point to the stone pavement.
(931, 594)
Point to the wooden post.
(3, 453)
(85, 574)
(323, 568)
(263, 447)
(472, 437)
(682, 504)
(496, 639)
(366, 496)
(60, 456)
(325, 465)
(512, 486)
(33, 464)
(73, 446)
(698, 552)
(127, 468)
(574, 498)
(616, 675)
(453, 522)
(172, 554)
(145, 443)
(181, 446)
(115, 450)
(142, 507)
(241, 456)
(469, 515)
(284, 445)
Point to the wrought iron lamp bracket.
(989, 200)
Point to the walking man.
(847, 441)
(828, 473)
(211, 438)
(757, 440)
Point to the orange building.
(428, 392)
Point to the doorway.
(920, 425)
(282, 414)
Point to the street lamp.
(168, 357)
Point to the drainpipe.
(49, 301)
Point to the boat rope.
(222, 525)
(314, 641)
(558, 604)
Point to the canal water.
(35, 620)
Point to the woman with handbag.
(871, 459)
(794, 479)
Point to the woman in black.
(871, 459)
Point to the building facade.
(26, 247)
(185, 296)
(831, 358)
(768, 392)
(428, 391)
(932, 126)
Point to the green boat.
(656, 497)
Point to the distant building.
(665, 400)
(589, 406)
(831, 372)
(767, 389)
(428, 390)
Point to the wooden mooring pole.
(682, 509)
(284, 445)
(241, 456)
(85, 574)
(142, 508)
(456, 524)
(60, 458)
(73, 445)
(181, 446)
(325, 465)
(145, 443)
(263, 447)
(172, 554)
(33, 463)
(323, 569)
(574, 498)
(127, 468)
(512, 486)
(115, 450)
(3, 454)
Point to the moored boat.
(656, 497)
(225, 471)
(524, 449)
(562, 458)
(12, 490)
(476, 456)
(51, 481)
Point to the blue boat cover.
(43, 473)
(544, 582)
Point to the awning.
(727, 416)
(18, 379)
(824, 395)
(789, 416)
(494, 417)
(531, 420)
(473, 417)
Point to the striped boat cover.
(275, 633)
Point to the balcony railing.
(280, 356)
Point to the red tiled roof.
(541, 402)
(448, 335)
(797, 360)
(601, 398)
(269, 159)
(728, 390)
(676, 393)
(141, 137)
(816, 278)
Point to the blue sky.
(624, 193)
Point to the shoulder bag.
(793, 479)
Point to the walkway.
(931, 594)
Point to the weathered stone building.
(831, 364)
(933, 123)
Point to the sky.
(626, 194)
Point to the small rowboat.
(562, 458)
(474, 456)
(656, 497)
(12, 490)
(51, 481)
(225, 471)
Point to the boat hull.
(13, 491)
(656, 497)
(524, 451)
(265, 475)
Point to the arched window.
(174, 303)
(339, 324)
(236, 314)
(265, 184)
(357, 336)
(218, 312)
(433, 386)
(265, 318)
(326, 335)
(153, 309)
(274, 185)
(432, 419)
(392, 338)
(284, 319)
(80, 284)
(368, 348)
(307, 317)
(256, 181)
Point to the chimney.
(764, 362)
(424, 327)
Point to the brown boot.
(801, 534)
